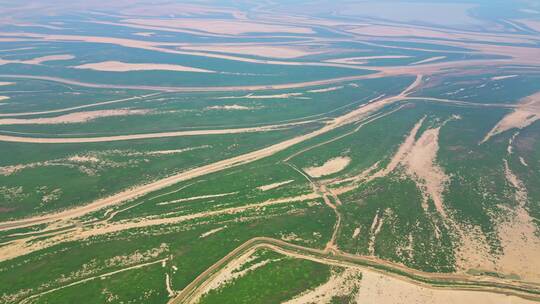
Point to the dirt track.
(427, 280)
(64, 140)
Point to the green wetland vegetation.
(360, 166)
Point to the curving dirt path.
(428, 280)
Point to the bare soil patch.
(78, 117)
(178, 9)
(428, 60)
(229, 107)
(274, 185)
(331, 166)
(193, 198)
(252, 96)
(117, 66)
(60, 140)
(330, 89)
(43, 59)
(503, 77)
(340, 284)
(228, 27)
(364, 59)
(527, 112)
(282, 52)
(145, 34)
(379, 288)
(421, 165)
(518, 234)
(38, 60)
(420, 32)
(210, 232)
